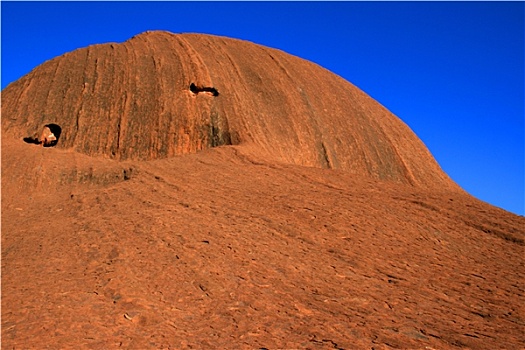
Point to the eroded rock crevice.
(196, 89)
(325, 156)
(219, 133)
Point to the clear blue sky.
(453, 71)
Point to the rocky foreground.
(223, 250)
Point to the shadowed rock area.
(211, 193)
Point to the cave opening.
(208, 90)
(48, 136)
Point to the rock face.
(112, 240)
(159, 94)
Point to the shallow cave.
(198, 89)
(53, 130)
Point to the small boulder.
(47, 137)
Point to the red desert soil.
(270, 205)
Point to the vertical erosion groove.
(325, 156)
(219, 131)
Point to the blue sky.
(452, 71)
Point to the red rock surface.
(133, 101)
(155, 239)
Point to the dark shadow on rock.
(211, 90)
(33, 140)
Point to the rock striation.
(160, 95)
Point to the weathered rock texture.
(133, 101)
(240, 246)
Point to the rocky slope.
(216, 235)
(220, 250)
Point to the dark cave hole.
(37, 139)
(196, 89)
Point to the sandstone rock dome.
(113, 240)
(160, 94)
